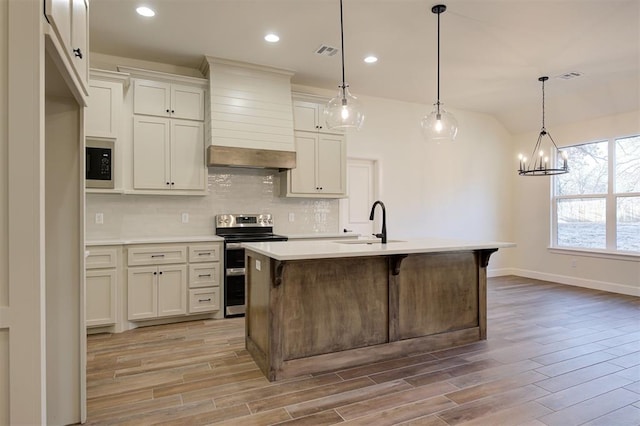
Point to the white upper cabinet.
(80, 39)
(321, 166)
(68, 35)
(309, 117)
(168, 150)
(168, 100)
(168, 154)
(321, 155)
(104, 109)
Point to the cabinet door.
(187, 102)
(100, 290)
(103, 112)
(79, 40)
(58, 13)
(303, 177)
(172, 290)
(151, 151)
(142, 292)
(331, 164)
(152, 98)
(306, 116)
(188, 169)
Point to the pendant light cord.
(438, 77)
(342, 50)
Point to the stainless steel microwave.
(99, 164)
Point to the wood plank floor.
(556, 355)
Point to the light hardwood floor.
(555, 355)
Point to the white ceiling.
(492, 51)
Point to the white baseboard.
(563, 279)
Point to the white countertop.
(299, 250)
(154, 240)
(317, 236)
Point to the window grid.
(612, 201)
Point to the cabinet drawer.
(157, 255)
(204, 253)
(204, 275)
(102, 258)
(204, 300)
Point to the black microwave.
(99, 164)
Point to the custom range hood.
(249, 157)
(251, 115)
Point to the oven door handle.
(234, 272)
(233, 246)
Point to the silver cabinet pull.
(157, 255)
(234, 272)
(204, 275)
(205, 254)
(204, 300)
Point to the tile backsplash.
(230, 191)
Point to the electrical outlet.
(292, 217)
(573, 263)
(99, 218)
(185, 217)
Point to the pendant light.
(540, 162)
(440, 125)
(344, 111)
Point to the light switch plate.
(185, 217)
(99, 218)
(258, 265)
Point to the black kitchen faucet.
(383, 234)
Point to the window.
(597, 204)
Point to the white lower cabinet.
(171, 280)
(101, 297)
(156, 291)
(101, 284)
(205, 276)
(204, 300)
(130, 283)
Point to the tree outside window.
(597, 204)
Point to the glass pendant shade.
(344, 112)
(439, 125)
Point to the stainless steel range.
(237, 229)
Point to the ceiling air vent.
(570, 75)
(325, 50)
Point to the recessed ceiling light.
(272, 38)
(371, 59)
(145, 11)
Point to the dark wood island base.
(310, 316)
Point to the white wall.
(451, 190)
(532, 216)
(63, 226)
(4, 188)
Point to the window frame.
(611, 220)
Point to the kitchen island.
(316, 306)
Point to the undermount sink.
(369, 242)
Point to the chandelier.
(540, 162)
